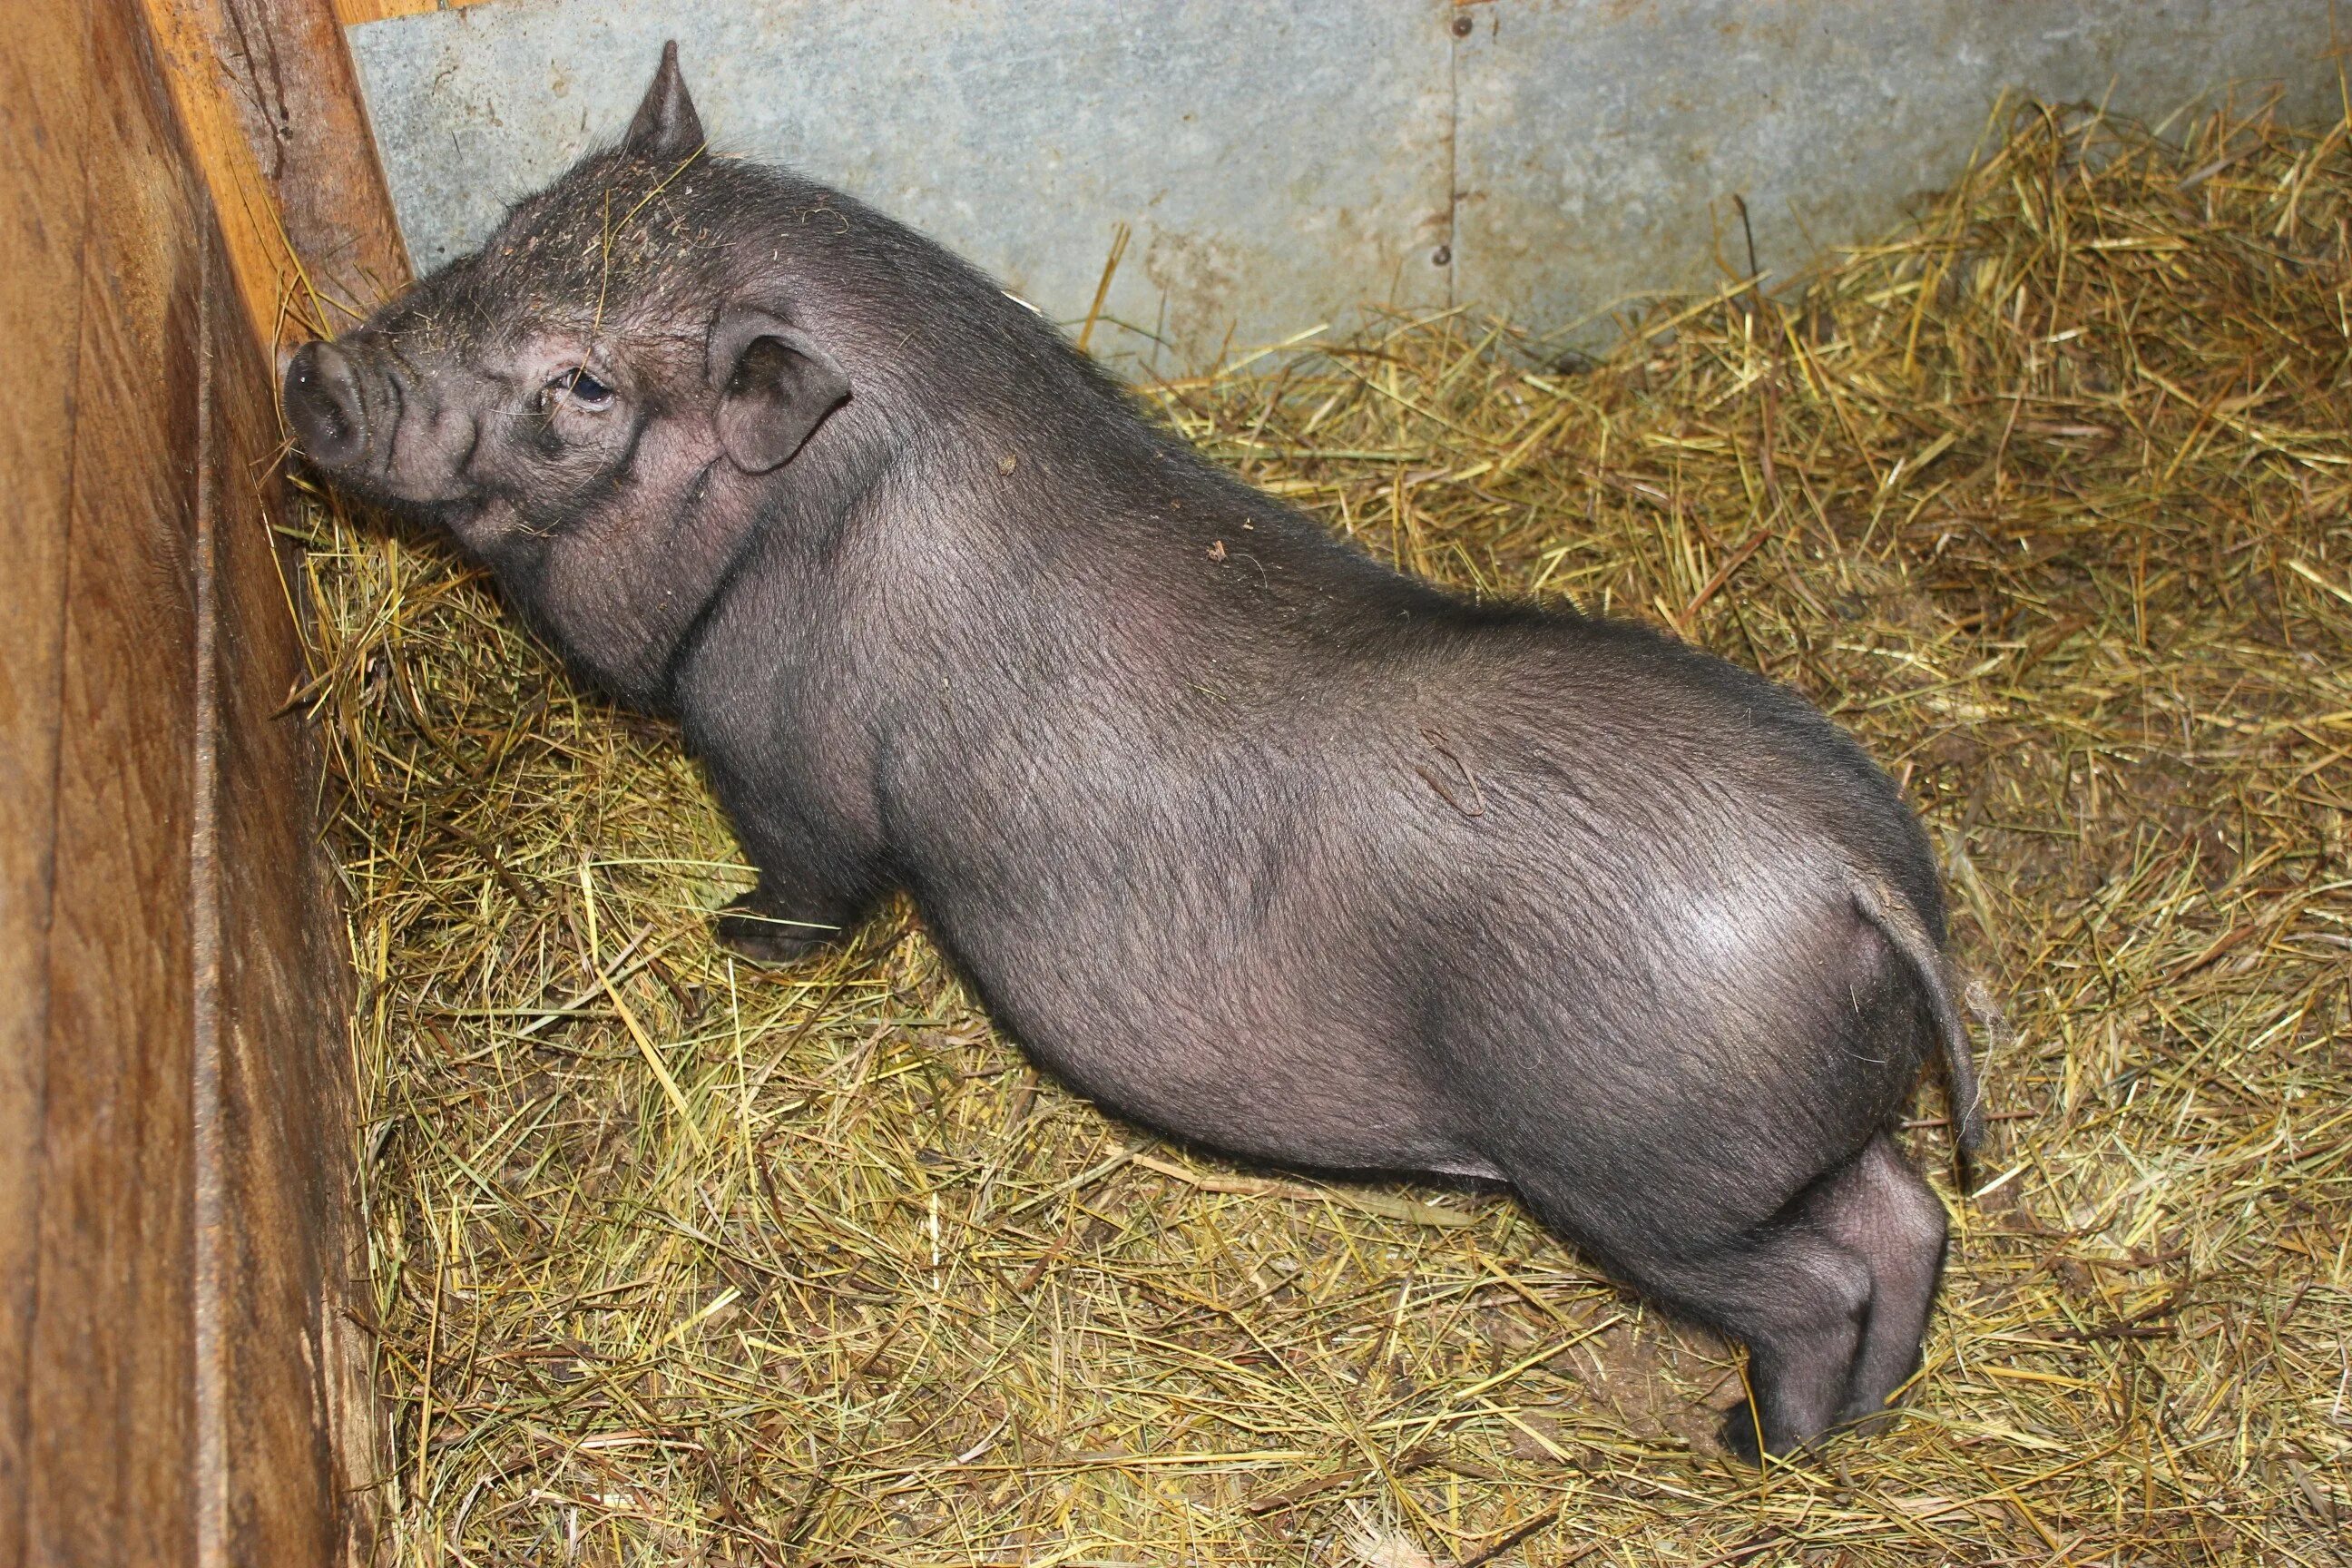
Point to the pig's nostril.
(324, 406)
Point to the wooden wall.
(181, 1378)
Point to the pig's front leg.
(777, 923)
(815, 887)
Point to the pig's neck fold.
(622, 589)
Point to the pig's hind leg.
(1795, 1295)
(1799, 1300)
(1831, 1297)
(1880, 1208)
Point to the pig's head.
(611, 334)
(661, 359)
(649, 361)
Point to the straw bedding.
(676, 1261)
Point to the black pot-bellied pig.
(1240, 832)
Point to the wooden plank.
(45, 90)
(352, 12)
(288, 1437)
(285, 1459)
(109, 1398)
(270, 104)
(287, 1455)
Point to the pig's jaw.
(490, 529)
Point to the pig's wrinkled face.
(490, 422)
(595, 351)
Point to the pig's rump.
(1527, 902)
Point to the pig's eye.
(584, 389)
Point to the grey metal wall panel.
(1281, 165)
(1276, 164)
(1600, 142)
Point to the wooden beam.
(103, 1386)
(270, 104)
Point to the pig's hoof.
(765, 939)
(1871, 1423)
(1739, 1434)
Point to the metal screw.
(1462, 26)
(1442, 257)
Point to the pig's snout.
(325, 406)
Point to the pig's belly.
(1257, 1095)
(1266, 1054)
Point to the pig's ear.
(665, 126)
(775, 385)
